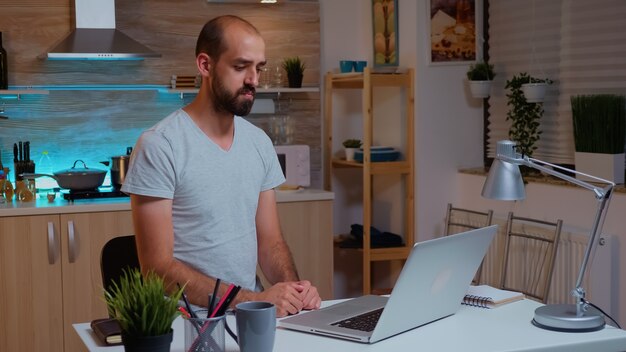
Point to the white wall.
(448, 124)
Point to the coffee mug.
(256, 326)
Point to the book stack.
(180, 81)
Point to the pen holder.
(205, 334)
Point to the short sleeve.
(151, 168)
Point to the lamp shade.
(504, 182)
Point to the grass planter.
(144, 310)
(600, 135)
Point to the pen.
(212, 301)
(231, 296)
(191, 312)
(222, 300)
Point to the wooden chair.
(460, 220)
(529, 256)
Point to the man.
(202, 184)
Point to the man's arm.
(275, 257)
(154, 233)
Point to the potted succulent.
(534, 89)
(143, 310)
(524, 116)
(295, 71)
(480, 75)
(350, 147)
(599, 135)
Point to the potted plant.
(524, 116)
(350, 147)
(535, 89)
(143, 310)
(480, 75)
(295, 71)
(599, 135)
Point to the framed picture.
(385, 24)
(453, 31)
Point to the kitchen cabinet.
(366, 84)
(308, 230)
(50, 276)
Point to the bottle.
(45, 185)
(4, 78)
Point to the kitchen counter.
(62, 206)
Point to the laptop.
(430, 287)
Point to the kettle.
(119, 168)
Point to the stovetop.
(108, 192)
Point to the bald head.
(212, 40)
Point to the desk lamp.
(504, 182)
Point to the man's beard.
(225, 101)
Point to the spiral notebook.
(485, 296)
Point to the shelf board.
(354, 80)
(258, 90)
(381, 254)
(376, 168)
(18, 92)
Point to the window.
(578, 44)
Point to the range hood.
(96, 38)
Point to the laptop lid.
(431, 286)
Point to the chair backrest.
(461, 220)
(118, 253)
(529, 256)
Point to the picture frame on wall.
(385, 33)
(454, 31)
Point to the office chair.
(529, 256)
(461, 219)
(118, 253)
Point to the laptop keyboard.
(364, 322)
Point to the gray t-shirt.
(215, 192)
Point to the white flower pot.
(350, 153)
(480, 89)
(534, 92)
(607, 166)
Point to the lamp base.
(562, 317)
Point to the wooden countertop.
(62, 206)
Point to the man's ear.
(204, 63)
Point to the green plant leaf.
(141, 305)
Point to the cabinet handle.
(52, 245)
(71, 244)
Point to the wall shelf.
(272, 90)
(9, 93)
(16, 91)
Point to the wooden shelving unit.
(367, 82)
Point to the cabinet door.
(83, 236)
(31, 313)
(308, 230)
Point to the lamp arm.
(603, 196)
(539, 165)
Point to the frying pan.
(75, 178)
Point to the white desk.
(506, 328)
